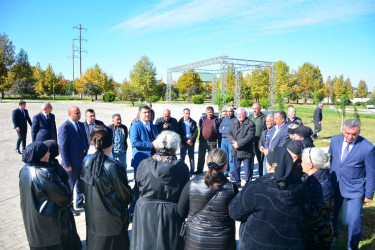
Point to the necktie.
(79, 131)
(48, 121)
(23, 112)
(346, 151)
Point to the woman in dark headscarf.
(295, 150)
(273, 209)
(43, 198)
(303, 134)
(107, 195)
(70, 238)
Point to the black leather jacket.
(107, 200)
(44, 201)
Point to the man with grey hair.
(317, 117)
(44, 125)
(353, 177)
(225, 143)
(265, 137)
(241, 134)
(292, 118)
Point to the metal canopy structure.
(224, 62)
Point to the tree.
(22, 69)
(22, 88)
(283, 79)
(339, 87)
(362, 89)
(97, 76)
(160, 89)
(91, 89)
(193, 90)
(188, 80)
(349, 88)
(131, 93)
(143, 75)
(309, 78)
(328, 89)
(50, 80)
(6, 61)
(38, 75)
(70, 88)
(259, 85)
(61, 85)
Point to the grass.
(368, 233)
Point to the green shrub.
(359, 103)
(154, 98)
(197, 99)
(109, 96)
(246, 103)
(264, 102)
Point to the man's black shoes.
(18, 151)
(75, 212)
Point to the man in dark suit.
(73, 148)
(90, 122)
(317, 117)
(20, 118)
(279, 133)
(44, 125)
(353, 177)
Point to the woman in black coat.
(107, 195)
(44, 198)
(315, 163)
(204, 201)
(160, 180)
(273, 209)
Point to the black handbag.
(184, 224)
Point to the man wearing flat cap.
(20, 118)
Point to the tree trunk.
(2, 94)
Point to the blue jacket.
(72, 148)
(141, 142)
(225, 124)
(40, 131)
(281, 137)
(356, 174)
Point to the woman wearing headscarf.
(273, 209)
(107, 195)
(295, 148)
(315, 164)
(303, 134)
(204, 200)
(43, 198)
(160, 180)
(70, 237)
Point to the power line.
(80, 50)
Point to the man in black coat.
(166, 122)
(188, 131)
(90, 122)
(44, 125)
(241, 135)
(20, 118)
(318, 117)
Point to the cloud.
(249, 15)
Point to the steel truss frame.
(224, 62)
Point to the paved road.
(12, 231)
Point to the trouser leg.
(227, 147)
(19, 139)
(248, 166)
(338, 200)
(317, 129)
(183, 149)
(264, 165)
(24, 135)
(191, 157)
(201, 154)
(258, 154)
(80, 189)
(354, 222)
(237, 171)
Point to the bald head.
(74, 113)
(166, 114)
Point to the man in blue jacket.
(225, 143)
(44, 125)
(353, 177)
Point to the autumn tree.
(283, 79)
(6, 61)
(187, 80)
(309, 78)
(130, 92)
(96, 76)
(143, 75)
(38, 75)
(362, 89)
(329, 90)
(259, 83)
(348, 88)
(50, 80)
(91, 89)
(339, 87)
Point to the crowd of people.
(294, 203)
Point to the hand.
(153, 144)
(68, 169)
(189, 142)
(265, 152)
(320, 123)
(235, 145)
(367, 200)
(261, 149)
(165, 126)
(18, 129)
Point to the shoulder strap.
(213, 197)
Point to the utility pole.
(74, 49)
(79, 27)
